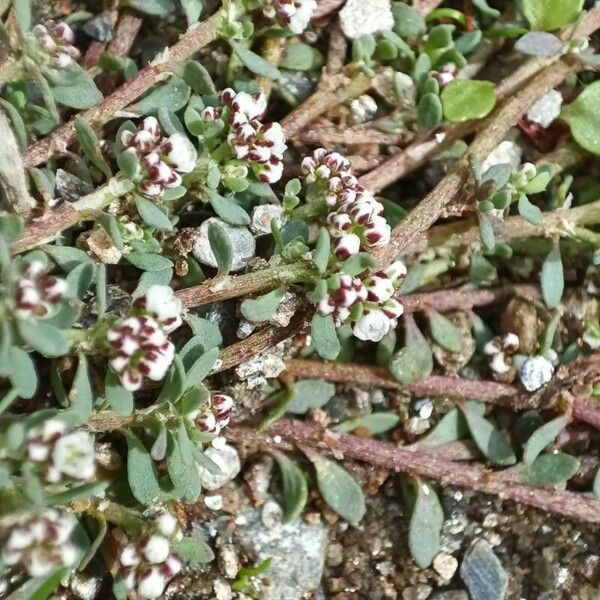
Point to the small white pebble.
(277, 439)
(214, 502)
(546, 109)
(241, 520)
(535, 372)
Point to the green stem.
(8, 399)
(115, 188)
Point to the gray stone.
(229, 563)
(483, 573)
(506, 153)
(546, 109)
(417, 592)
(359, 18)
(227, 459)
(422, 408)
(445, 565)
(298, 552)
(262, 216)
(242, 242)
(69, 187)
(99, 29)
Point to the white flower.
(36, 292)
(74, 455)
(40, 543)
(139, 348)
(59, 454)
(180, 152)
(300, 19)
(156, 549)
(372, 326)
(535, 372)
(346, 245)
(151, 584)
(162, 304)
(57, 39)
(167, 524)
(379, 288)
(217, 414)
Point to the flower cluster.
(59, 454)
(57, 40)
(161, 160)
(36, 291)
(139, 343)
(500, 351)
(357, 221)
(260, 144)
(217, 414)
(330, 171)
(368, 304)
(148, 564)
(40, 543)
(296, 14)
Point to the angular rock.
(242, 242)
(359, 18)
(298, 552)
(227, 459)
(483, 573)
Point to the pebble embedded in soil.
(483, 573)
(359, 18)
(227, 459)
(242, 242)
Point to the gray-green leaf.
(552, 278)
(543, 437)
(426, 523)
(310, 393)
(294, 490)
(324, 337)
(263, 307)
(340, 490)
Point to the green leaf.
(141, 471)
(596, 484)
(466, 99)
(255, 63)
(547, 15)
(44, 338)
(357, 263)
(552, 278)
(339, 489)
(39, 588)
(378, 422)
(117, 397)
(89, 143)
(150, 278)
(294, 489)
(320, 255)
(489, 440)
(408, 22)
(539, 43)
(529, 211)
(76, 90)
(81, 396)
(279, 402)
(228, 210)
(22, 10)
(310, 393)
(67, 257)
(301, 57)
(79, 492)
(415, 361)
(444, 332)
(450, 428)
(542, 437)
(193, 550)
(551, 469)
(221, 248)
(152, 215)
(324, 337)
(173, 95)
(429, 111)
(202, 367)
(486, 232)
(196, 75)
(263, 307)
(80, 279)
(184, 478)
(192, 10)
(158, 8)
(207, 331)
(23, 375)
(147, 261)
(426, 523)
(583, 118)
(174, 385)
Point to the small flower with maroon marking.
(296, 14)
(139, 348)
(40, 543)
(60, 454)
(339, 301)
(36, 291)
(217, 415)
(57, 39)
(161, 303)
